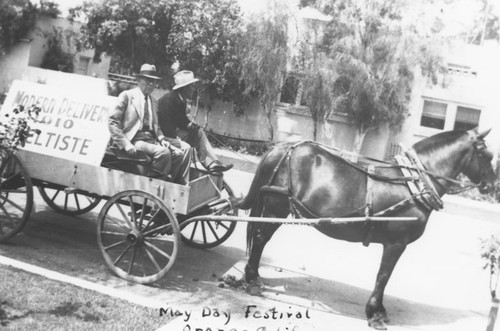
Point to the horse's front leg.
(375, 311)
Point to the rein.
(385, 164)
(299, 209)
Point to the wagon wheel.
(67, 203)
(16, 196)
(208, 234)
(138, 236)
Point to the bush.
(257, 148)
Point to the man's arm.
(115, 123)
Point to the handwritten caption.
(208, 315)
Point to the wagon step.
(301, 221)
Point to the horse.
(311, 180)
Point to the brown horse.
(310, 180)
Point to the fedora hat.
(148, 71)
(184, 78)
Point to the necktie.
(145, 123)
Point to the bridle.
(479, 148)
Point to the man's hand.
(165, 143)
(193, 126)
(176, 151)
(130, 149)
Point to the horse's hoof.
(254, 288)
(377, 322)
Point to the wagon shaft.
(301, 221)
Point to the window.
(449, 115)
(433, 114)
(291, 92)
(467, 118)
(83, 65)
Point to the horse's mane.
(437, 142)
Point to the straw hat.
(184, 78)
(148, 71)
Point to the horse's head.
(479, 168)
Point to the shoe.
(217, 166)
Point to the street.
(438, 284)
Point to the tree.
(263, 53)
(197, 35)
(370, 53)
(55, 58)
(18, 18)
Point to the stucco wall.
(12, 64)
(290, 123)
(22, 61)
(46, 25)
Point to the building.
(24, 60)
(467, 100)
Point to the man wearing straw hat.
(133, 124)
(179, 130)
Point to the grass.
(32, 302)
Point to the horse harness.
(420, 186)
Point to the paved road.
(438, 285)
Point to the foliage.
(490, 252)
(370, 51)
(18, 18)
(55, 58)
(16, 127)
(263, 52)
(198, 35)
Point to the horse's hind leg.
(258, 236)
(375, 311)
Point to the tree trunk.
(493, 314)
(269, 110)
(358, 142)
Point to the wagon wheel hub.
(135, 237)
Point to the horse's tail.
(249, 201)
(253, 199)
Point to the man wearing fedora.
(179, 130)
(133, 124)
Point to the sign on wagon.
(73, 126)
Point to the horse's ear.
(483, 134)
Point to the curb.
(85, 284)
(241, 162)
(463, 207)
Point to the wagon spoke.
(115, 244)
(223, 225)
(132, 210)
(122, 254)
(194, 231)
(55, 195)
(12, 221)
(152, 258)
(125, 217)
(66, 202)
(213, 231)
(152, 218)
(13, 204)
(157, 249)
(113, 233)
(204, 231)
(117, 223)
(144, 204)
(131, 264)
(161, 227)
(76, 201)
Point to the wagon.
(142, 220)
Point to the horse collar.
(432, 199)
